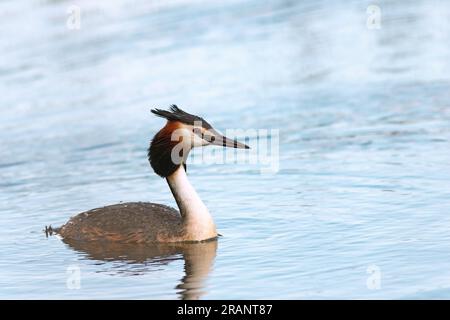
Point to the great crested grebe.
(144, 222)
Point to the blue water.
(360, 206)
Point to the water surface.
(364, 117)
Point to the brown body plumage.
(132, 222)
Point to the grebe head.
(183, 131)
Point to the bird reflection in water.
(133, 259)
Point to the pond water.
(358, 208)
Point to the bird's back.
(132, 222)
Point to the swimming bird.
(145, 222)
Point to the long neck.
(198, 223)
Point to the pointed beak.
(215, 138)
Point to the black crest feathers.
(176, 114)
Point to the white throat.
(198, 222)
